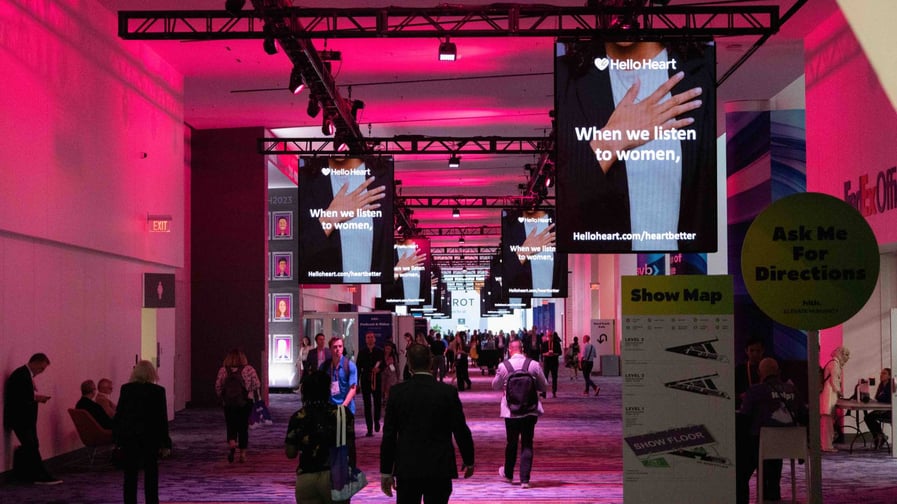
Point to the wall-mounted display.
(282, 225)
(282, 307)
(282, 265)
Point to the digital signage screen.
(345, 220)
(411, 273)
(531, 266)
(636, 146)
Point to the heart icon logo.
(325, 171)
(601, 63)
(520, 219)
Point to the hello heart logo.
(325, 171)
(602, 63)
(520, 219)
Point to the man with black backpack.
(521, 380)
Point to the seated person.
(874, 419)
(104, 396)
(770, 403)
(88, 391)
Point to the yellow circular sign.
(810, 261)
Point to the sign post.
(810, 261)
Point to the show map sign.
(677, 352)
(810, 261)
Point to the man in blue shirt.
(343, 376)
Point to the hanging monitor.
(636, 146)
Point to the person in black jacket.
(86, 403)
(416, 455)
(20, 416)
(140, 430)
(370, 364)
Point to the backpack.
(233, 391)
(520, 390)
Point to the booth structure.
(283, 360)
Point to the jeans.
(522, 429)
(550, 367)
(587, 374)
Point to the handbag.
(345, 479)
(259, 414)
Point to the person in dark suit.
(318, 356)
(531, 267)
(417, 457)
(140, 429)
(86, 403)
(20, 416)
(329, 189)
(596, 194)
(370, 364)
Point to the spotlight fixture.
(549, 180)
(327, 127)
(454, 161)
(328, 55)
(297, 83)
(448, 51)
(314, 107)
(356, 106)
(234, 7)
(268, 43)
(461, 240)
(456, 212)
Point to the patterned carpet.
(578, 459)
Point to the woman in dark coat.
(141, 431)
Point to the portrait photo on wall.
(636, 146)
(411, 273)
(346, 220)
(282, 225)
(282, 265)
(531, 266)
(282, 307)
(282, 346)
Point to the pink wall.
(79, 107)
(851, 131)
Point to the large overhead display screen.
(531, 265)
(345, 220)
(411, 273)
(636, 139)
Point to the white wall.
(79, 107)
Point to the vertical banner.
(677, 376)
(531, 266)
(411, 273)
(378, 323)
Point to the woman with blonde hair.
(832, 385)
(236, 386)
(140, 429)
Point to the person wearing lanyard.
(343, 376)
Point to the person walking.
(140, 429)
(417, 457)
(370, 365)
(587, 362)
(236, 386)
(521, 379)
(551, 351)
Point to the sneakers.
(524, 485)
(597, 391)
(501, 472)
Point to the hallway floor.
(578, 459)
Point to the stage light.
(297, 83)
(461, 240)
(454, 161)
(314, 107)
(549, 180)
(327, 127)
(447, 51)
(456, 212)
(268, 43)
(234, 6)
